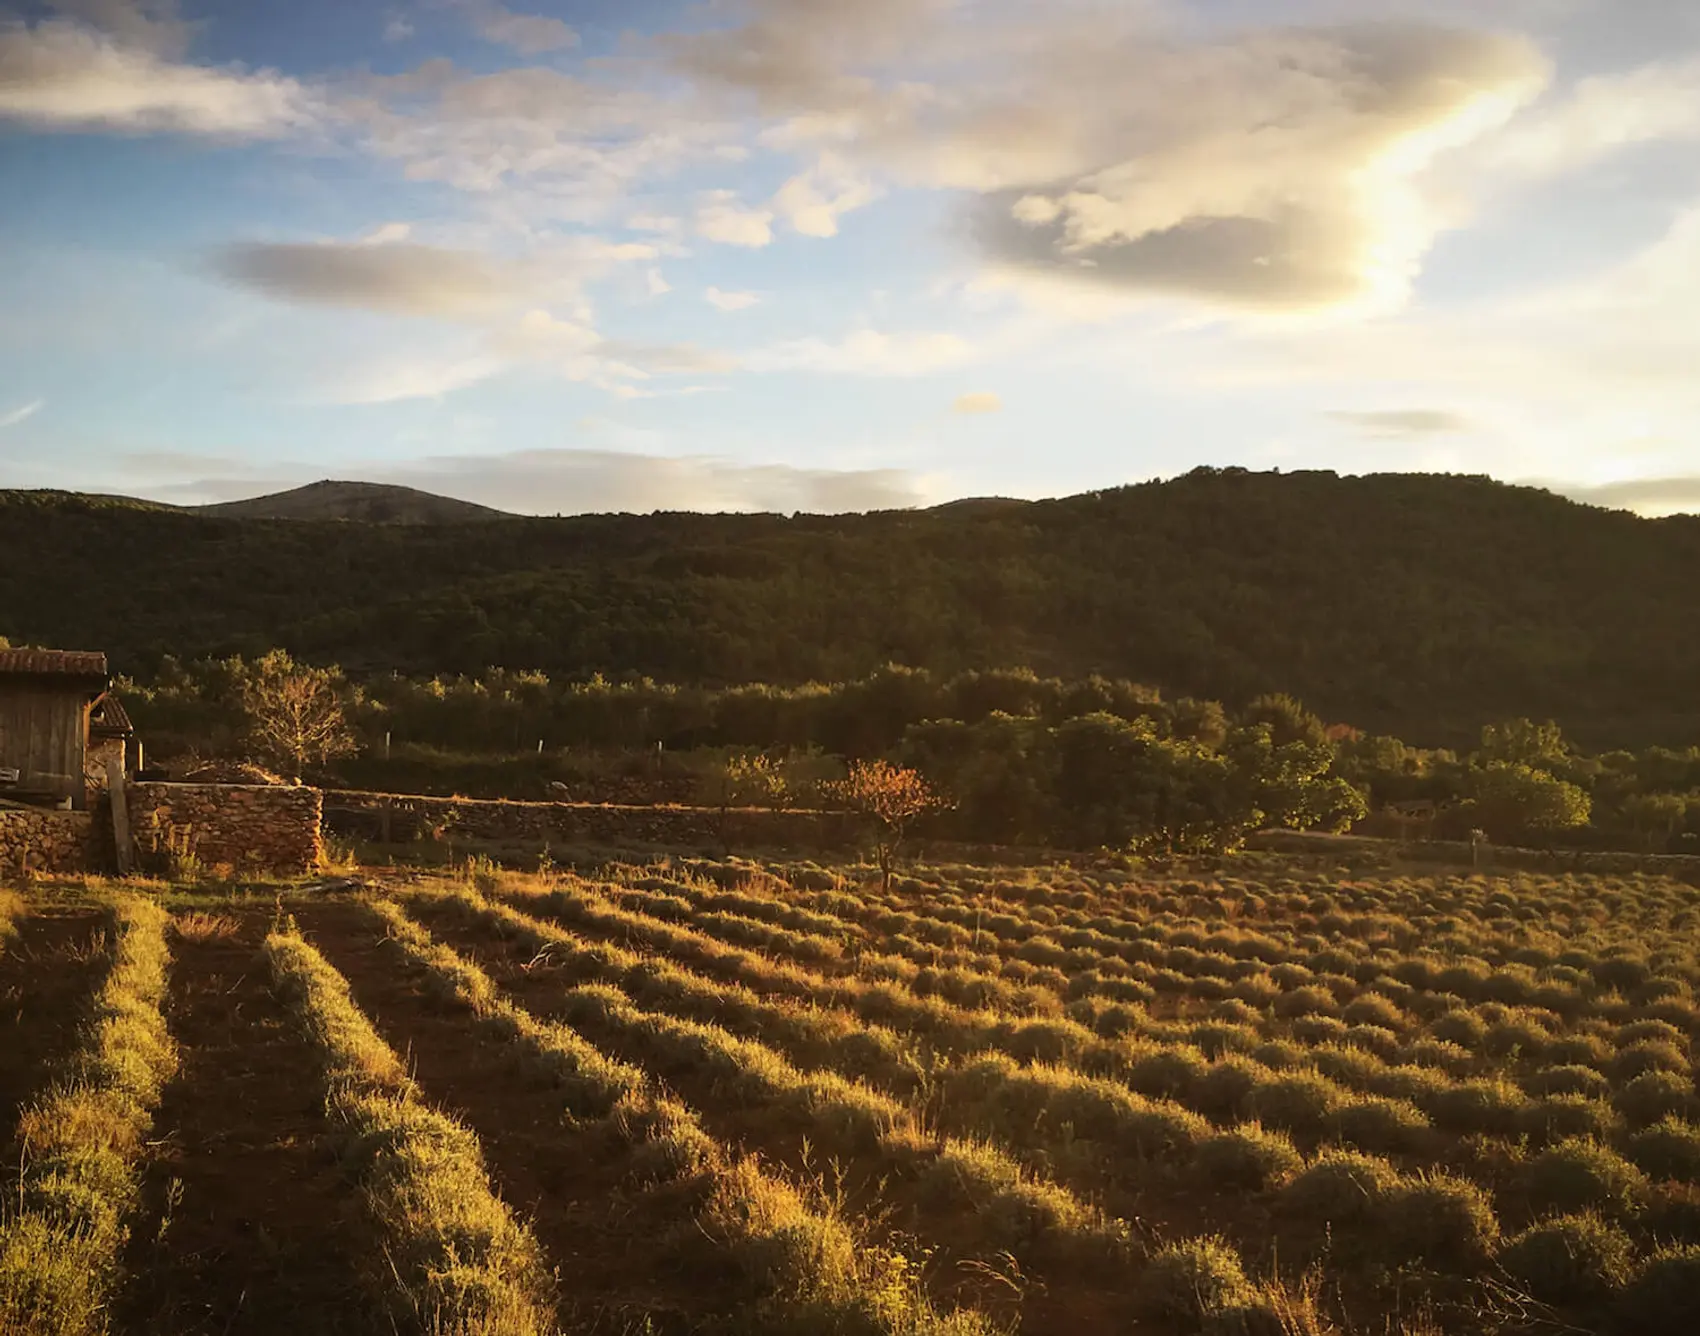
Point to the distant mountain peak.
(362, 502)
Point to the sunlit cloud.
(22, 414)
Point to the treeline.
(1419, 606)
(1083, 763)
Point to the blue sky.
(802, 254)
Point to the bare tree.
(295, 713)
(892, 797)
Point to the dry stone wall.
(43, 841)
(248, 827)
(398, 818)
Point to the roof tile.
(55, 662)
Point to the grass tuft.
(61, 1240)
(462, 1264)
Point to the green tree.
(1656, 817)
(295, 713)
(1524, 742)
(1513, 801)
(1288, 719)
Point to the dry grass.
(60, 1242)
(193, 925)
(12, 908)
(462, 1264)
(804, 1267)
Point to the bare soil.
(607, 1238)
(249, 1224)
(48, 977)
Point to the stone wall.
(43, 840)
(400, 818)
(247, 827)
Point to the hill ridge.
(1418, 604)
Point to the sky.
(587, 255)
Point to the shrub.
(1635, 1031)
(1340, 1187)
(1216, 1038)
(1280, 1054)
(1665, 1295)
(1374, 1009)
(1580, 1174)
(1348, 1066)
(1570, 1260)
(1652, 1096)
(1490, 1106)
(1462, 1028)
(1514, 1039)
(1438, 1055)
(1383, 1043)
(1298, 1102)
(1672, 1213)
(1444, 1221)
(1389, 1126)
(1249, 1157)
(1581, 1050)
(1314, 1030)
(1224, 1092)
(1569, 1080)
(1194, 1284)
(1559, 1116)
(1668, 1149)
(1647, 1055)
(1167, 1073)
(1311, 1000)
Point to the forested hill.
(1416, 603)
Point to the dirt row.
(251, 1220)
(48, 973)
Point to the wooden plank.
(120, 816)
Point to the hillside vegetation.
(1414, 604)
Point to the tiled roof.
(111, 719)
(54, 662)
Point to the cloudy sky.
(569, 255)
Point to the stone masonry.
(247, 827)
(40, 840)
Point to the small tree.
(891, 797)
(295, 713)
(747, 779)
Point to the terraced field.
(728, 1097)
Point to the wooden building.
(47, 698)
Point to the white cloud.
(399, 278)
(1657, 102)
(586, 482)
(868, 352)
(656, 283)
(528, 34)
(397, 27)
(720, 217)
(1267, 168)
(62, 75)
(1404, 422)
(814, 201)
(22, 414)
(972, 405)
(393, 377)
(1647, 496)
(729, 301)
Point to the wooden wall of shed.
(43, 730)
